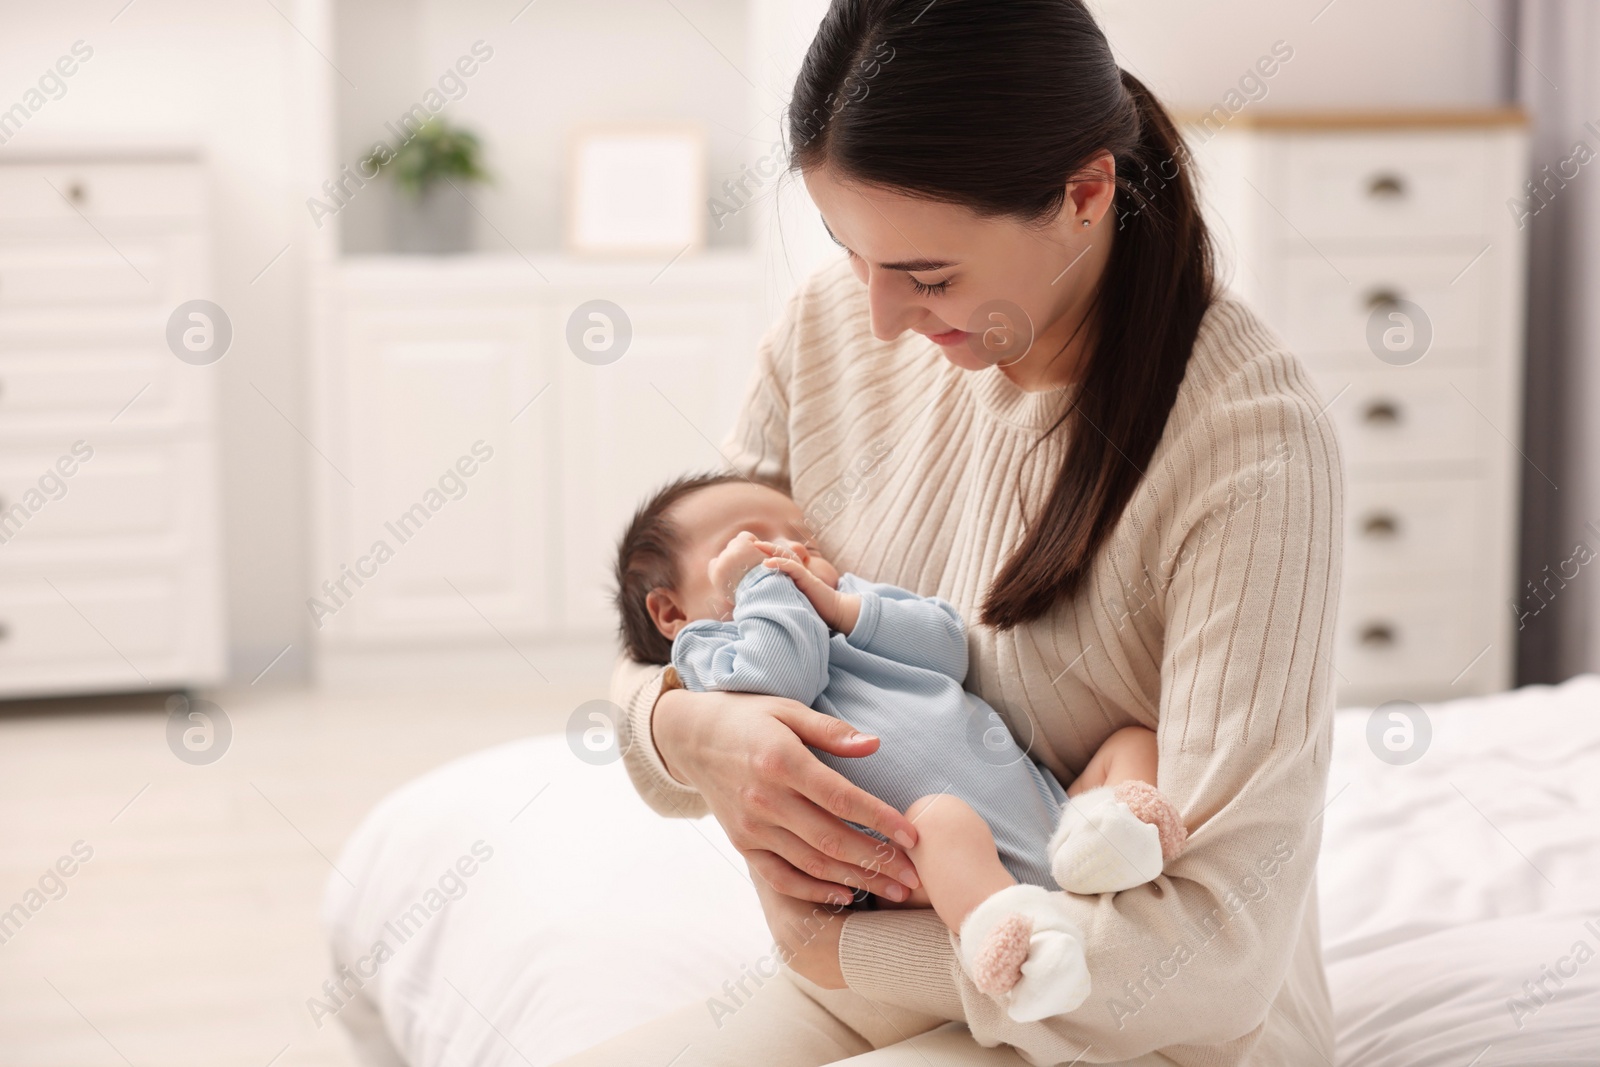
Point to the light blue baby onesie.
(897, 675)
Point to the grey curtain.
(1555, 67)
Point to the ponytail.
(1157, 286)
(995, 105)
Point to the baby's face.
(710, 518)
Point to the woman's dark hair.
(995, 105)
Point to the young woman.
(1140, 517)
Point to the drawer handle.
(77, 193)
(5, 632)
(1387, 186)
(1379, 299)
(1382, 525)
(1381, 413)
(1378, 635)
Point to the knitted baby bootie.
(1114, 838)
(1022, 948)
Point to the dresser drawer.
(42, 191)
(125, 500)
(63, 394)
(92, 621)
(1402, 414)
(1322, 312)
(78, 274)
(1398, 640)
(1339, 186)
(1400, 528)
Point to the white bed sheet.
(1445, 885)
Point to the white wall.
(1355, 54)
(231, 76)
(558, 68)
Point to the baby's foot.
(997, 961)
(1020, 947)
(1114, 838)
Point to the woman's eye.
(925, 289)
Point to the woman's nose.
(892, 314)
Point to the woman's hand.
(807, 935)
(783, 808)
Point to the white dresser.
(1382, 249)
(109, 569)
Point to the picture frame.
(636, 190)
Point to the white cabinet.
(1383, 252)
(429, 368)
(109, 557)
(438, 495)
(627, 427)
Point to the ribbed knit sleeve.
(635, 687)
(776, 643)
(1245, 565)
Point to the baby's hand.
(743, 554)
(839, 610)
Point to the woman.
(1140, 517)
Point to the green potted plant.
(431, 212)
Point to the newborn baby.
(716, 574)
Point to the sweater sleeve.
(1249, 573)
(758, 444)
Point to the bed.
(493, 912)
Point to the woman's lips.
(950, 338)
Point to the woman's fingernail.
(897, 893)
(903, 839)
(910, 879)
(858, 738)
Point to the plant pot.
(439, 222)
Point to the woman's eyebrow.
(908, 265)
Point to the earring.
(1086, 222)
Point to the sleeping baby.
(716, 575)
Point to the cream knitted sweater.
(1208, 616)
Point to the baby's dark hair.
(647, 559)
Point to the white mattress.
(1445, 886)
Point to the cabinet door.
(438, 500)
(627, 427)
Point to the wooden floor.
(191, 935)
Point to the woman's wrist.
(668, 722)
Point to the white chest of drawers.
(109, 570)
(1382, 250)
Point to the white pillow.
(592, 914)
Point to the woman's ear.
(1090, 192)
(666, 612)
